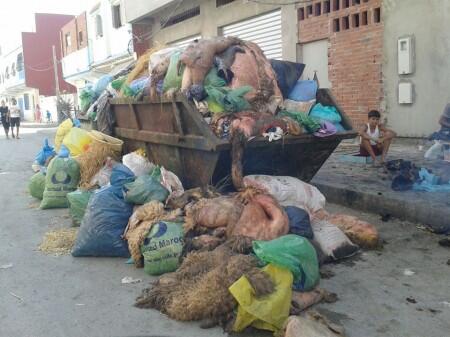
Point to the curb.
(420, 211)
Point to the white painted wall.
(75, 62)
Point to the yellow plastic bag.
(77, 141)
(61, 132)
(267, 312)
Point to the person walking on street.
(14, 117)
(38, 116)
(4, 111)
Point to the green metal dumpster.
(177, 137)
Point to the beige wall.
(210, 20)
(428, 21)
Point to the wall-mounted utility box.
(405, 93)
(405, 52)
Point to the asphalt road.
(48, 296)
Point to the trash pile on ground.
(249, 257)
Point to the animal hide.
(199, 58)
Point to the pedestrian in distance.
(14, 117)
(375, 138)
(49, 117)
(4, 111)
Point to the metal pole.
(55, 71)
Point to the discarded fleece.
(198, 290)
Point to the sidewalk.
(35, 125)
(367, 188)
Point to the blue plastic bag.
(105, 219)
(326, 113)
(287, 74)
(304, 91)
(299, 222)
(63, 152)
(101, 84)
(46, 152)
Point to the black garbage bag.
(287, 74)
(299, 222)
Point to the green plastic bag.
(162, 248)
(36, 186)
(213, 79)
(78, 201)
(63, 176)
(118, 83)
(173, 79)
(145, 189)
(232, 100)
(311, 124)
(295, 253)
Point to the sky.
(17, 16)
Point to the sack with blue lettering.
(162, 248)
(63, 176)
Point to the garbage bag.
(299, 222)
(266, 312)
(105, 219)
(295, 106)
(102, 177)
(118, 83)
(87, 97)
(77, 141)
(304, 91)
(63, 176)
(295, 253)
(101, 84)
(36, 185)
(46, 152)
(287, 74)
(61, 132)
(310, 124)
(145, 189)
(78, 201)
(312, 325)
(332, 241)
(173, 78)
(232, 100)
(327, 113)
(289, 191)
(213, 79)
(162, 248)
(137, 163)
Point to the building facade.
(96, 43)
(28, 70)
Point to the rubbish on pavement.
(78, 201)
(6, 266)
(137, 163)
(77, 141)
(36, 185)
(145, 189)
(304, 300)
(16, 296)
(359, 232)
(141, 222)
(408, 272)
(102, 177)
(105, 219)
(289, 191)
(299, 222)
(266, 312)
(62, 131)
(44, 156)
(58, 242)
(63, 176)
(130, 280)
(162, 248)
(333, 242)
(312, 324)
(294, 253)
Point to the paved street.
(47, 296)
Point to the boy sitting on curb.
(375, 138)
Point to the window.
(345, 23)
(318, 9)
(19, 62)
(364, 21)
(355, 20)
(13, 69)
(26, 101)
(346, 4)
(356, 2)
(67, 40)
(223, 2)
(336, 5)
(301, 14)
(80, 38)
(336, 25)
(7, 72)
(326, 7)
(377, 15)
(116, 21)
(98, 26)
(309, 10)
(190, 13)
